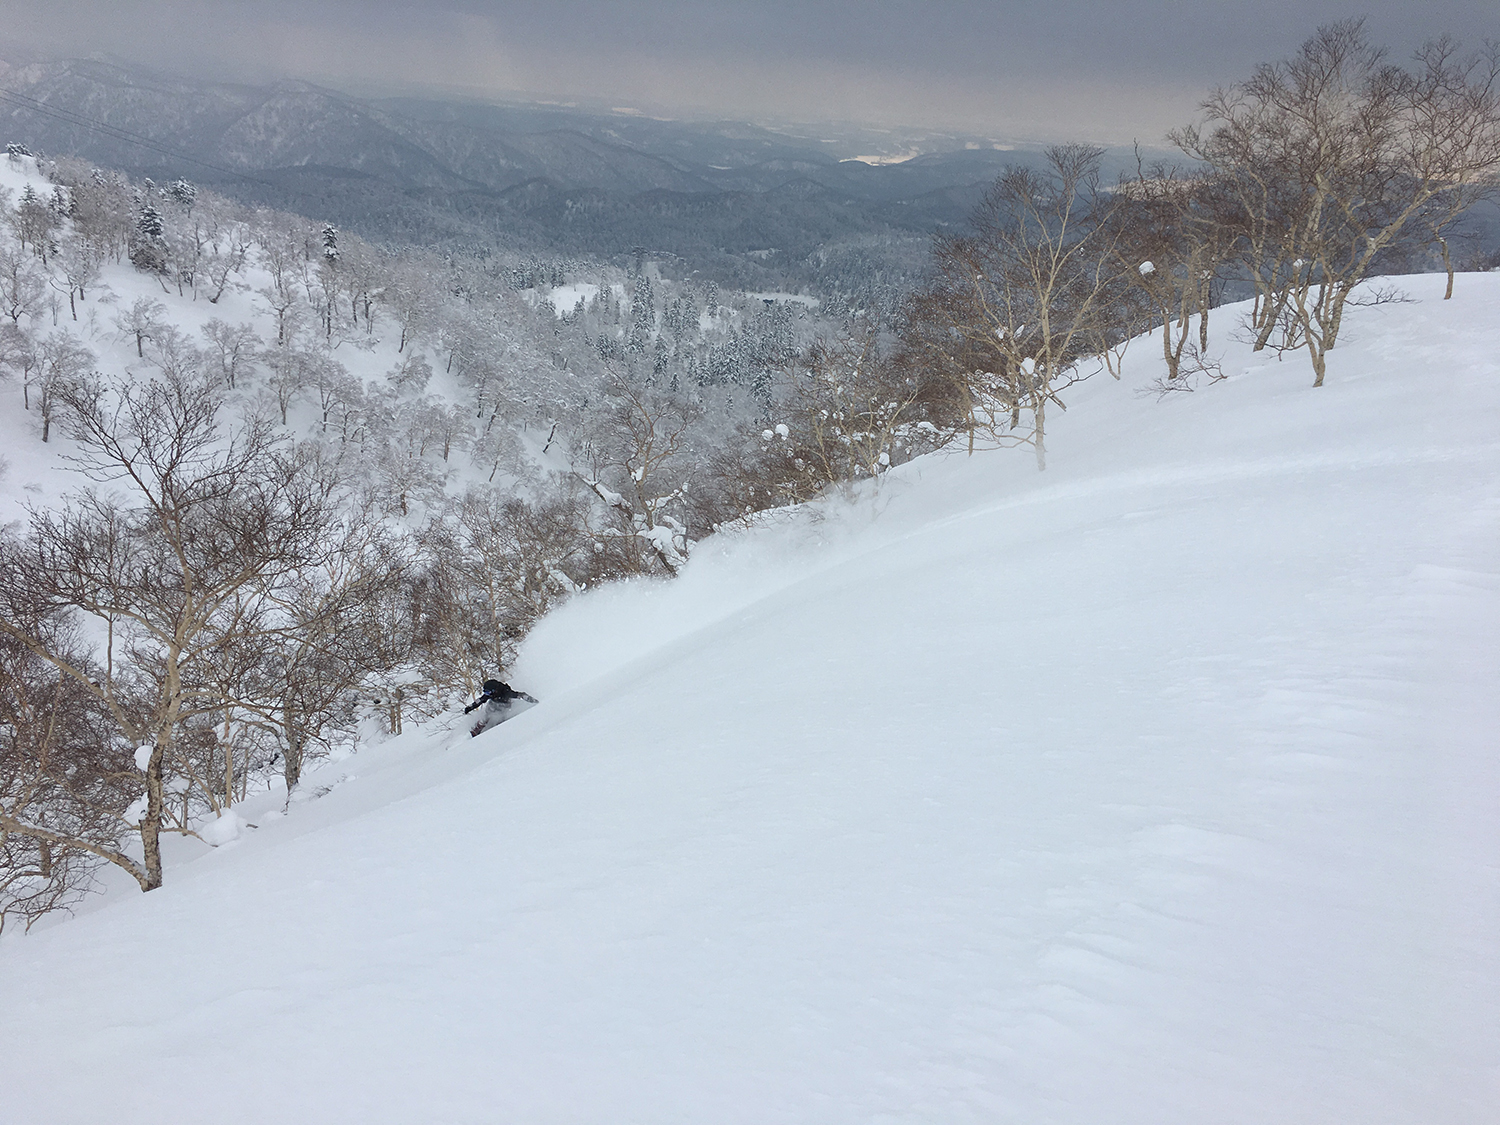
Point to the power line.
(115, 132)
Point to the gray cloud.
(1068, 69)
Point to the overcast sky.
(1065, 69)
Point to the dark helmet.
(494, 687)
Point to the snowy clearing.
(564, 298)
(1158, 788)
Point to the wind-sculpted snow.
(1158, 788)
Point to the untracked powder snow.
(1158, 788)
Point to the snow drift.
(1159, 788)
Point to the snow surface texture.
(1159, 788)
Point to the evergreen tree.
(642, 314)
(150, 225)
(181, 192)
(330, 243)
(148, 249)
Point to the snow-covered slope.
(1159, 788)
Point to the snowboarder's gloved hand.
(494, 689)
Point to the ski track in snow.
(1157, 789)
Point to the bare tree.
(173, 353)
(324, 634)
(1173, 244)
(844, 412)
(231, 349)
(18, 356)
(395, 458)
(477, 357)
(75, 267)
(411, 372)
(642, 448)
(33, 223)
(449, 425)
(101, 205)
(22, 286)
(1452, 140)
(144, 318)
(335, 388)
(290, 368)
(169, 566)
(1022, 303)
(227, 250)
(408, 294)
(527, 556)
(283, 254)
(61, 362)
(489, 568)
(66, 784)
(286, 305)
(1336, 157)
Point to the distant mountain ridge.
(531, 178)
(294, 124)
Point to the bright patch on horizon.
(899, 158)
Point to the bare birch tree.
(1336, 157)
(167, 557)
(1026, 299)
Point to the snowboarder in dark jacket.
(500, 701)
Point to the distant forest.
(746, 206)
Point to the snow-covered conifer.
(182, 192)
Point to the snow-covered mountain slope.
(1159, 788)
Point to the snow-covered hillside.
(1159, 788)
(36, 471)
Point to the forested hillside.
(413, 456)
(276, 479)
(1154, 789)
(1051, 684)
(749, 206)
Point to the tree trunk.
(292, 770)
(1268, 325)
(1039, 434)
(1447, 265)
(1335, 317)
(1166, 345)
(151, 822)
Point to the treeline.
(1307, 179)
(268, 544)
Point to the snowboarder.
(500, 701)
